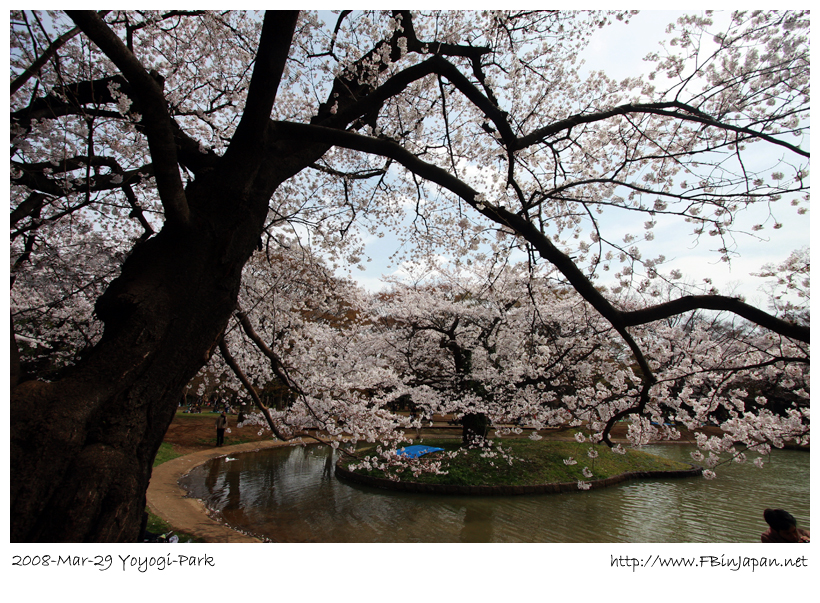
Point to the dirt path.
(167, 499)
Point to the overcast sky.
(618, 50)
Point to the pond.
(292, 495)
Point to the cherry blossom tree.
(56, 279)
(790, 292)
(313, 344)
(177, 143)
(716, 369)
(493, 347)
(515, 351)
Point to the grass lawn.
(523, 462)
(229, 440)
(165, 453)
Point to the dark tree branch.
(274, 44)
(82, 100)
(536, 238)
(77, 94)
(276, 364)
(357, 175)
(35, 67)
(148, 88)
(717, 302)
(23, 258)
(31, 176)
(438, 48)
(354, 89)
(435, 65)
(69, 164)
(49, 52)
(674, 109)
(231, 362)
(136, 212)
(190, 152)
(374, 146)
(30, 207)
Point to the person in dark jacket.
(221, 424)
(782, 527)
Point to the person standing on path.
(221, 424)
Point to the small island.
(507, 466)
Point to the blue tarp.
(414, 452)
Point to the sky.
(618, 50)
(633, 42)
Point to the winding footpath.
(167, 499)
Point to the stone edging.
(554, 488)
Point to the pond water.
(292, 495)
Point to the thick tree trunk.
(82, 448)
(475, 427)
(14, 360)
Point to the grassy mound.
(521, 462)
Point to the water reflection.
(291, 495)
